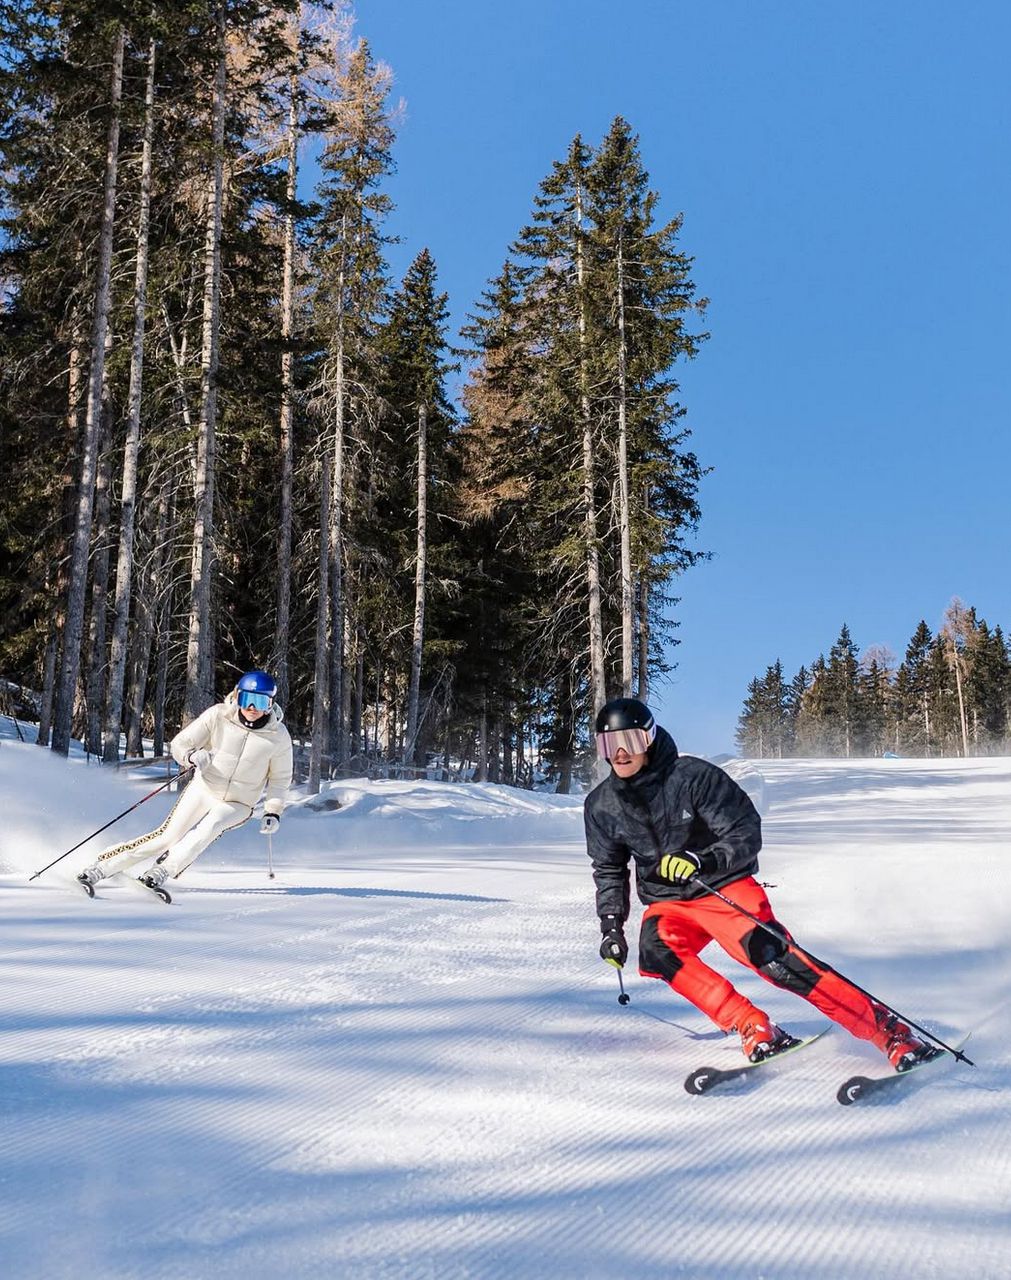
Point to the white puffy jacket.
(244, 760)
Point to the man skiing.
(237, 748)
(683, 820)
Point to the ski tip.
(700, 1081)
(852, 1090)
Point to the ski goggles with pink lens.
(250, 700)
(635, 741)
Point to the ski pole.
(624, 997)
(165, 784)
(955, 1053)
(270, 855)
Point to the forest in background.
(225, 430)
(949, 696)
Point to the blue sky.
(844, 175)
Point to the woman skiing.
(236, 748)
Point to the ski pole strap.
(957, 1054)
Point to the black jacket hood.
(661, 758)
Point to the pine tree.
(644, 297)
(875, 700)
(793, 702)
(499, 540)
(913, 729)
(812, 736)
(988, 683)
(841, 716)
(763, 728)
(606, 294)
(956, 636)
(346, 254)
(414, 445)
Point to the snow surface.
(401, 1058)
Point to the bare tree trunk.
(494, 758)
(48, 675)
(58, 574)
(320, 693)
(642, 693)
(281, 641)
(565, 752)
(200, 645)
(335, 533)
(73, 632)
(336, 571)
(508, 775)
(598, 683)
(358, 746)
(481, 763)
(420, 569)
(152, 601)
(140, 661)
(161, 681)
(95, 657)
(348, 668)
(624, 515)
(957, 664)
(128, 510)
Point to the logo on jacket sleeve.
(685, 815)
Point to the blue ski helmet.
(256, 689)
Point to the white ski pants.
(196, 820)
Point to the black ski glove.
(613, 946)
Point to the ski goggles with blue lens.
(634, 741)
(259, 701)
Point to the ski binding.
(158, 889)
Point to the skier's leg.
(188, 809)
(670, 939)
(779, 961)
(222, 816)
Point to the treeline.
(950, 696)
(225, 430)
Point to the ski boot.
(154, 879)
(900, 1046)
(904, 1050)
(761, 1038)
(88, 878)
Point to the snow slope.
(401, 1058)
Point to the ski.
(859, 1088)
(704, 1079)
(158, 890)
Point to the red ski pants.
(673, 934)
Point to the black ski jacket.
(672, 804)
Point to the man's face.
(626, 765)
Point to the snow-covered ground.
(402, 1058)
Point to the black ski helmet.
(624, 713)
